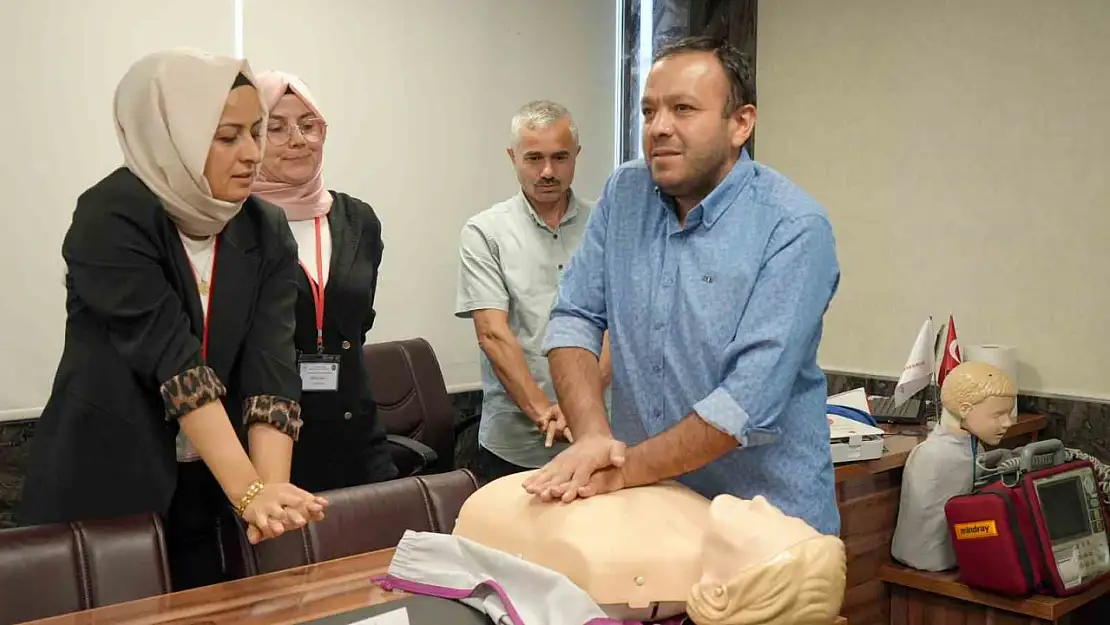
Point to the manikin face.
(744, 533)
(989, 419)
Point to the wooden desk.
(924, 598)
(282, 598)
(868, 494)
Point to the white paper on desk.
(845, 428)
(855, 398)
(399, 616)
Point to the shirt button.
(657, 368)
(667, 282)
(658, 413)
(659, 325)
(560, 266)
(555, 235)
(347, 415)
(346, 345)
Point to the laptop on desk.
(913, 412)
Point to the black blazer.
(105, 443)
(343, 442)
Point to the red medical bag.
(1036, 526)
(993, 539)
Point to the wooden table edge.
(93, 615)
(1027, 423)
(945, 585)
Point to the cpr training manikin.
(641, 554)
(978, 401)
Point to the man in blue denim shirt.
(712, 274)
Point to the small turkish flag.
(951, 352)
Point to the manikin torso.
(938, 469)
(637, 552)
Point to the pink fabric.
(300, 202)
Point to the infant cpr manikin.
(657, 551)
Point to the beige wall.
(62, 60)
(962, 149)
(418, 94)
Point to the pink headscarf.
(301, 201)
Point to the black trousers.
(198, 512)
(490, 467)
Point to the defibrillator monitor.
(1074, 527)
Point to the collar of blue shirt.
(720, 198)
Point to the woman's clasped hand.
(277, 508)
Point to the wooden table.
(282, 598)
(868, 494)
(923, 598)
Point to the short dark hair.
(737, 66)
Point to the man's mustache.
(548, 181)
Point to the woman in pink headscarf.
(340, 248)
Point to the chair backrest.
(46, 570)
(361, 519)
(407, 384)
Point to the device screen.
(1064, 509)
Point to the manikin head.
(980, 397)
(702, 554)
(753, 575)
(543, 151)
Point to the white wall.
(418, 94)
(62, 60)
(963, 152)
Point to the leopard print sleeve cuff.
(190, 390)
(283, 414)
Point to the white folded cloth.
(509, 590)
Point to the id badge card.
(319, 372)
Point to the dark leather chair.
(366, 518)
(413, 404)
(47, 570)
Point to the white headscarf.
(167, 109)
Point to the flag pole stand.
(939, 343)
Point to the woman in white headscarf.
(179, 337)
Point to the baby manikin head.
(657, 551)
(760, 567)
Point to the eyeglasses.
(312, 130)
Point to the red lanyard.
(317, 288)
(208, 304)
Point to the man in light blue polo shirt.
(712, 274)
(511, 258)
